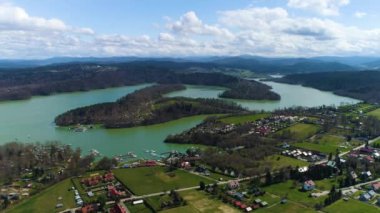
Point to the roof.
(376, 185)
(309, 183)
(303, 169)
(366, 196)
(371, 193)
(368, 173)
(119, 209)
(89, 208)
(233, 183)
(331, 163)
(137, 202)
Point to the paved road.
(356, 148)
(133, 197)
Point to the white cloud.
(323, 7)
(252, 17)
(359, 14)
(190, 24)
(253, 30)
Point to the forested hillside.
(364, 85)
(144, 107)
(25, 83)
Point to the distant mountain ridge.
(254, 63)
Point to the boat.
(80, 128)
(94, 152)
(131, 155)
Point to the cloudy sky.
(48, 28)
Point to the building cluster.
(366, 154)
(97, 179)
(239, 199)
(143, 163)
(371, 194)
(302, 154)
(269, 125)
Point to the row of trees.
(17, 159)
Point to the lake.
(291, 95)
(32, 120)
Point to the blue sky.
(47, 28)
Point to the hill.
(282, 65)
(25, 83)
(144, 107)
(362, 85)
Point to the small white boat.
(94, 152)
(131, 155)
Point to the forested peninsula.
(24, 83)
(145, 107)
(363, 85)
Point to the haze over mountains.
(253, 63)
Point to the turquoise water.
(32, 120)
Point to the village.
(309, 170)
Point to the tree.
(176, 198)
(105, 163)
(268, 178)
(215, 189)
(102, 201)
(202, 185)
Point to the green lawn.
(155, 202)
(240, 119)
(218, 176)
(376, 143)
(139, 208)
(300, 131)
(198, 201)
(276, 162)
(182, 209)
(290, 207)
(326, 144)
(148, 180)
(293, 193)
(350, 206)
(326, 184)
(46, 200)
(375, 113)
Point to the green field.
(218, 176)
(182, 209)
(326, 184)
(376, 143)
(326, 144)
(293, 193)
(350, 206)
(300, 131)
(276, 162)
(290, 207)
(240, 119)
(198, 201)
(140, 208)
(148, 180)
(375, 113)
(46, 200)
